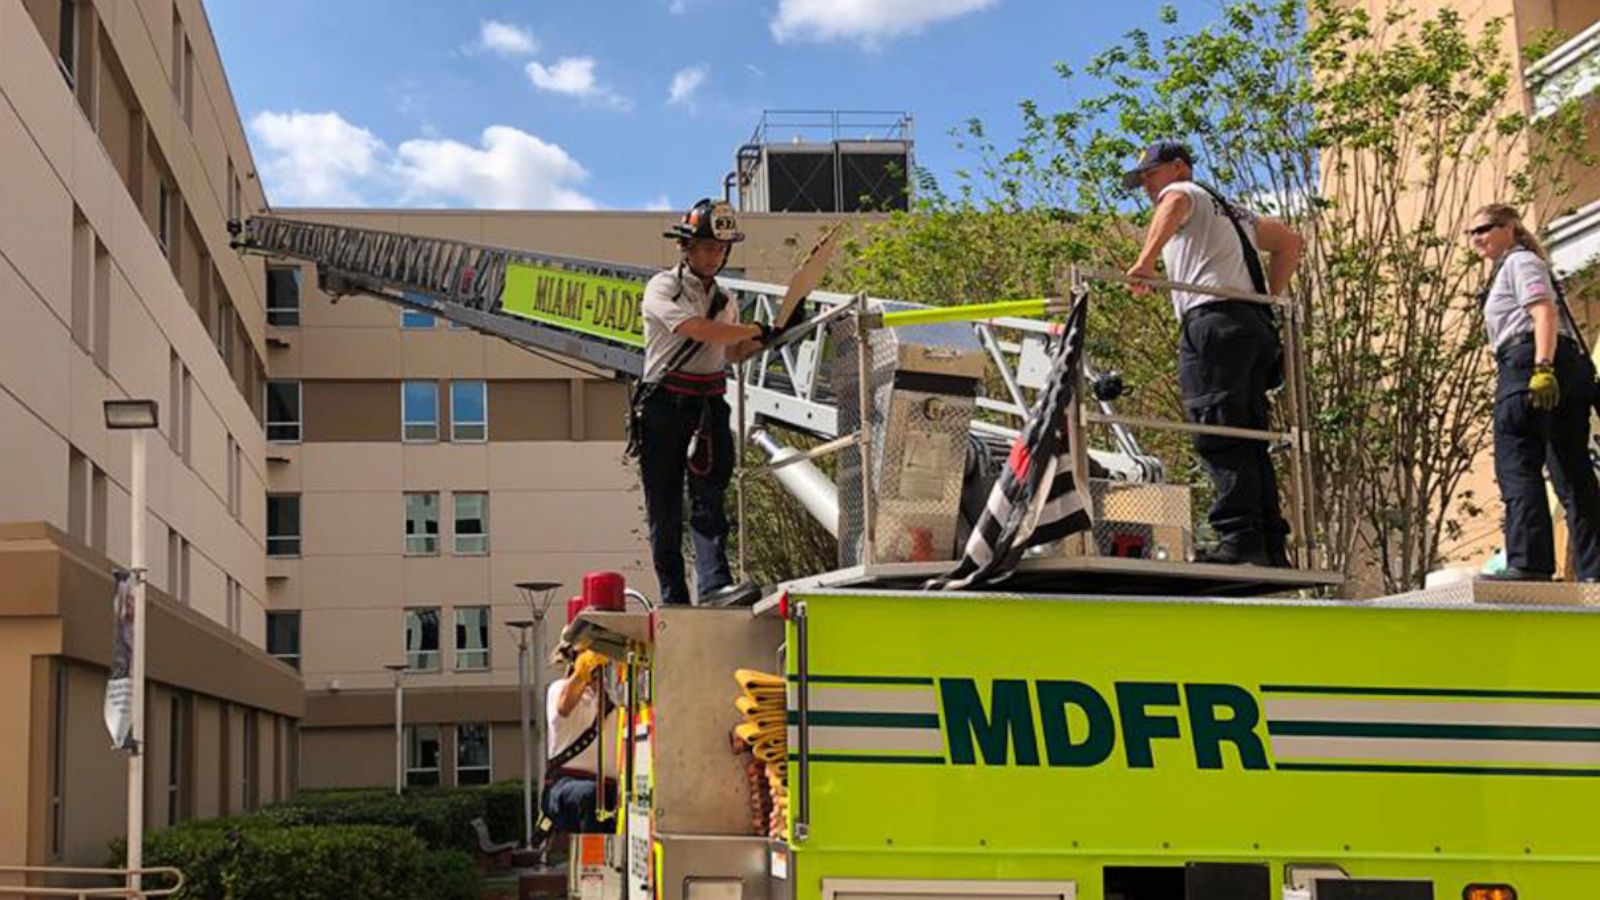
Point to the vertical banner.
(119, 690)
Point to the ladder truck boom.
(587, 312)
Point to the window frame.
(406, 422)
(487, 766)
(67, 41)
(298, 424)
(417, 660)
(291, 659)
(166, 197)
(413, 738)
(280, 539)
(477, 652)
(481, 424)
(480, 539)
(429, 545)
(273, 296)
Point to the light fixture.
(132, 414)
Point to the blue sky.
(618, 104)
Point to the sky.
(619, 104)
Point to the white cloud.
(315, 159)
(678, 7)
(506, 39)
(756, 70)
(661, 203)
(573, 76)
(511, 169)
(685, 83)
(869, 22)
(319, 159)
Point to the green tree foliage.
(1376, 138)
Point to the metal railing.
(789, 383)
(34, 873)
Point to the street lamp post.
(399, 670)
(520, 627)
(139, 417)
(537, 595)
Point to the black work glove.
(769, 333)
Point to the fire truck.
(1112, 722)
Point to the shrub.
(447, 875)
(263, 861)
(441, 819)
(502, 809)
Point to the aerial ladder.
(587, 312)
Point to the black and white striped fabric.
(1036, 498)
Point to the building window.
(250, 783)
(188, 83)
(224, 330)
(472, 523)
(283, 524)
(472, 753)
(235, 477)
(166, 217)
(411, 318)
(422, 639)
(283, 636)
(422, 756)
(422, 523)
(67, 41)
(419, 411)
(178, 751)
(283, 411)
(283, 295)
(469, 411)
(58, 760)
(472, 637)
(234, 591)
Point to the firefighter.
(575, 739)
(1229, 353)
(692, 332)
(1545, 384)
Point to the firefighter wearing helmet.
(680, 415)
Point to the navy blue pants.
(668, 423)
(1228, 356)
(569, 804)
(1527, 442)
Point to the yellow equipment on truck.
(1117, 723)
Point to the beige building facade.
(335, 488)
(121, 158)
(418, 472)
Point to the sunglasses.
(1481, 230)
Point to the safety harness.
(683, 384)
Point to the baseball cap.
(1154, 155)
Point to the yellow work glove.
(1544, 391)
(587, 663)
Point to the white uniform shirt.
(670, 299)
(1205, 249)
(1521, 280)
(563, 730)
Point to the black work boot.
(1514, 574)
(745, 593)
(1231, 555)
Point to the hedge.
(262, 861)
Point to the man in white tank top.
(1229, 354)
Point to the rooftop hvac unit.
(826, 162)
